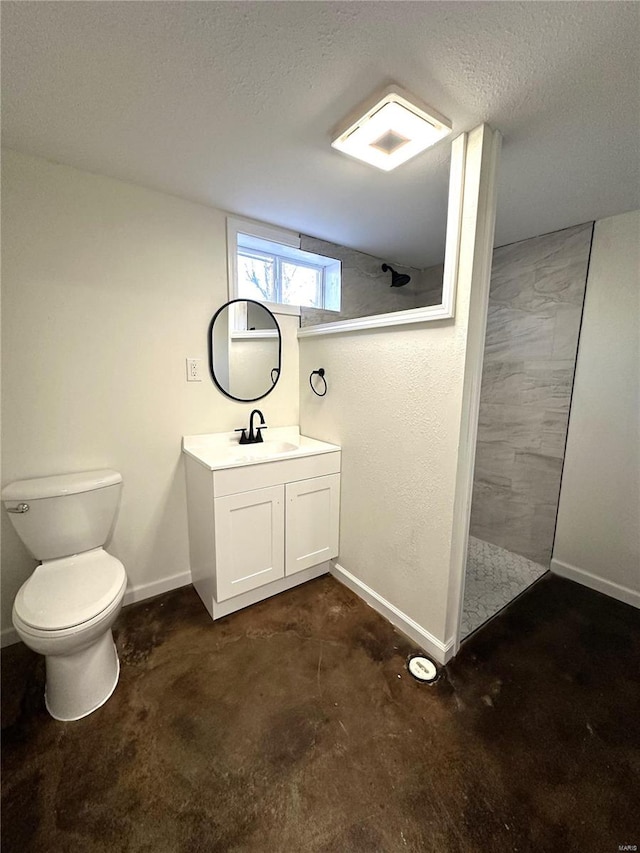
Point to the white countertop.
(219, 450)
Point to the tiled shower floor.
(494, 577)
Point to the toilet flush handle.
(19, 508)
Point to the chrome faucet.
(255, 433)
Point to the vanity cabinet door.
(313, 511)
(249, 540)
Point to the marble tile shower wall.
(366, 289)
(535, 305)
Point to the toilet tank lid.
(60, 485)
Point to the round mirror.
(244, 350)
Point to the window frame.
(278, 260)
(289, 239)
(237, 225)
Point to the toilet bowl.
(66, 609)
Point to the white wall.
(106, 289)
(395, 403)
(598, 533)
(251, 361)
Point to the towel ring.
(320, 373)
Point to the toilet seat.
(70, 592)
(26, 632)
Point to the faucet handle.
(259, 432)
(243, 437)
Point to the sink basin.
(222, 450)
(265, 449)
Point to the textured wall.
(393, 405)
(598, 536)
(366, 288)
(106, 289)
(535, 304)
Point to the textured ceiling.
(232, 104)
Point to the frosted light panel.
(391, 133)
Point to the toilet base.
(78, 684)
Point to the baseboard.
(8, 636)
(153, 588)
(441, 652)
(615, 590)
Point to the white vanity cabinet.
(312, 522)
(249, 540)
(260, 526)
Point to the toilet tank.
(67, 514)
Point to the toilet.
(66, 609)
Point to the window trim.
(288, 240)
(238, 225)
(278, 260)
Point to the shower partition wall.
(533, 323)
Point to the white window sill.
(278, 308)
(252, 334)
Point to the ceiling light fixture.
(390, 128)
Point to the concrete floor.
(293, 726)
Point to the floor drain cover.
(422, 668)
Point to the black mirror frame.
(210, 347)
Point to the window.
(268, 265)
